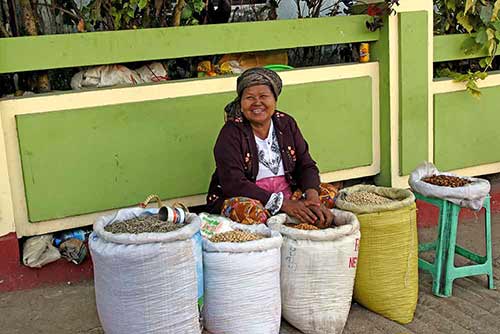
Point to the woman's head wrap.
(252, 77)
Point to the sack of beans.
(387, 272)
(468, 192)
(148, 273)
(318, 267)
(242, 281)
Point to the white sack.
(146, 283)
(242, 284)
(318, 268)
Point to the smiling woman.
(261, 158)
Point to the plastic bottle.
(72, 234)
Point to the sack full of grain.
(318, 267)
(387, 271)
(242, 281)
(147, 273)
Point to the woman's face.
(258, 104)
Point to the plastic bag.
(148, 282)
(154, 72)
(317, 273)
(242, 284)
(213, 224)
(38, 251)
(471, 195)
(105, 76)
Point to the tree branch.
(178, 11)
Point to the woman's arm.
(306, 171)
(229, 160)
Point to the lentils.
(367, 198)
(446, 181)
(142, 224)
(236, 236)
(303, 226)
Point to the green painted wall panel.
(91, 159)
(466, 130)
(57, 51)
(381, 53)
(449, 47)
(336, 119)
(413, 90)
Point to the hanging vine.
(478, 18)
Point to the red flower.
(374, 10)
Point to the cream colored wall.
(16, 217)
(6, 208)
(407, 6)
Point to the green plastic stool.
(278, 67)
(443, 269)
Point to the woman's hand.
(299, 210)
(325, 216)
(312, 198)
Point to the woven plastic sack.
(387, 271)
(402, 199)
(471, 195)
(317, 273)
(242, 284)
(148, 282)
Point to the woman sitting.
(261, 158)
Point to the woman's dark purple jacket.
(236, 159)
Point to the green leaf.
(468, 5)
(481, 75)
(482, 36)
(496, 9)
(491, 33)
(470, 46)
(471, 83)
(463, 20)
(117, 20)
(485, 13)
(130, 12)
(492, 49)
(451, 5)
(497, 34)
(484, 62)
(187, 12)
(198, 5)
(142, 4)
(496, 25)
(444, 72)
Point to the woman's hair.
(253, 77)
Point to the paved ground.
(473, 309)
